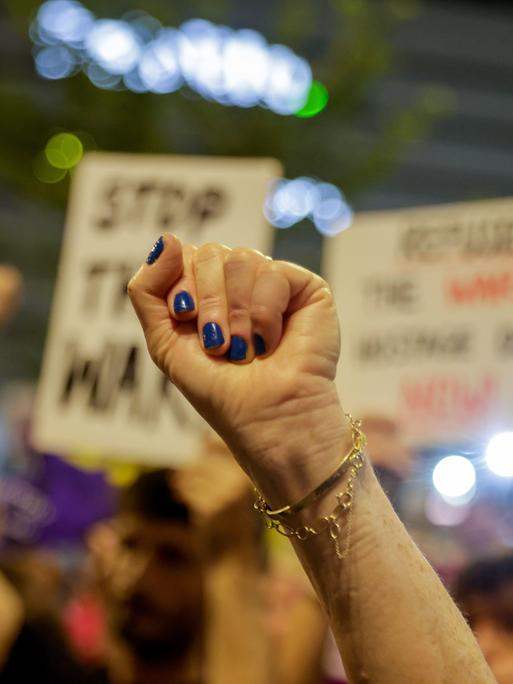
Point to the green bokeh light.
(64, 150)
(45, 172)
(315, 102)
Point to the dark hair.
(484, 577)
(152, 495)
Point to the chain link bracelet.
(351, 464)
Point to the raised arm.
(257, 357)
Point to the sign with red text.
(425, 298)
(99, 391)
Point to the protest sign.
(99, 391)
(425, 298)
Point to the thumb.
(149, 286)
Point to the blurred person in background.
(155, 568)
(33, 643)
(181, 579)
(170, 567)
(484, 592)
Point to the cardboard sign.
(425, 299)
(99, 391)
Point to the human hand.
(274, 402)
(213, 487)
(219, 496)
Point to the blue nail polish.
(238, 348)
(183, 302)
(212, 336)
(259, 343)
(156, 251)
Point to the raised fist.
(253, 344)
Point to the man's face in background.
(151, 579)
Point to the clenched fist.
(253, 344)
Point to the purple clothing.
(53, 503)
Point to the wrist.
(301, 449)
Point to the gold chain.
(332, 523)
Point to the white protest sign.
(99, 391)
(425, 298)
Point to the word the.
(388, 293)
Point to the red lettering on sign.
(481, 288)
(445, 398)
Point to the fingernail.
(238, 348)
(156, 251)
(212, 336)
(183, 302)
(259, 343)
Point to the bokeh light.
(454, 477)
(439, 511)
(64, 150)
(290, 201)
(289, 81)
(499, 454)
(45, 172)
(235, 68)
(55, 62)
(316, 101)
(101, 78)
(159, 70)
(64, 21)
(245, 67)
(113, 45)
(200, 52)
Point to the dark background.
(421, 112)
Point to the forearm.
(236, 646)
(393, 620)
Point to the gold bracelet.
(353, 462)
(359, 444)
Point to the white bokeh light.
(64, 21)
(232, 67)
(331, 214)
(245, 67)
(200, 54)
(291, 201)
(290, 78)
(280, 207)
(454, 476)
(342, 221)
(101, 78)
(114, 46)
(54, 62)
(499, 454)
(133, 82)
(159, 70)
